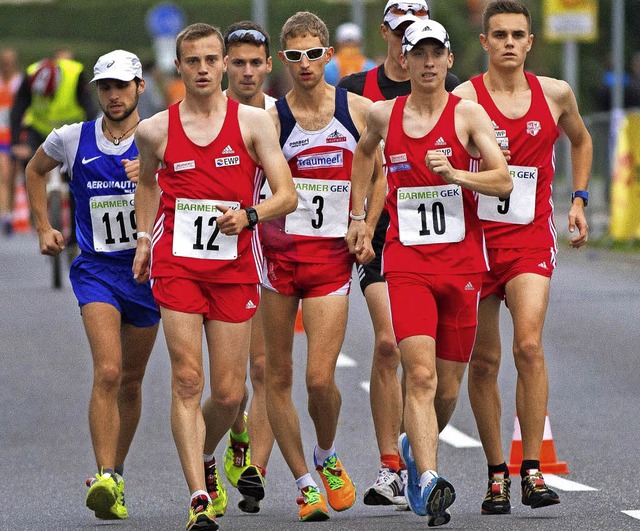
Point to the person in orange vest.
(348, 58)
(10, 79)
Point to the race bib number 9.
(520, 207)
(323, 208)
(431, 214)
(113, 222)
(196, 233)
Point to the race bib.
(196, 233)
(431, 214)
(520, 207)
(323, 208)
(113, 222)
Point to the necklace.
(116, 139)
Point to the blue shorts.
(111, 282)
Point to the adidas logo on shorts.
(543, 265)
(228, 150)
(469, 287)
(250, 305)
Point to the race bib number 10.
(431, 214)
(196, 233)
(113, 221)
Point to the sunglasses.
(402, 8)
(250, 34)
(313, 54)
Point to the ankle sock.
(390, 461)
(495, 470)
(527, 465)
(320, 454)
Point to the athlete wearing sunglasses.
(313, 54)
(420, 10)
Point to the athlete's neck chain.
(117, 139)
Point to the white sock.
(321, 455)
(305, 481)
(208, 457)
(199, 493)
(426, 477)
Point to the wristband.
(582, 194)
(142, 234)
(357, 218)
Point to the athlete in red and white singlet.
(434, 256)
(527, 113)
(194, 180)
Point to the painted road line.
(365, 386)
(345, 361)
(457, 439)
(633, 514)
(565, 484)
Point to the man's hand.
(51, 241)
(439, 163)
(359, 242)
(578, 219)
(141, 261)
(232, 222)
(132, 169)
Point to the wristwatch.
(252, 216)
(582, 194)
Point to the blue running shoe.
(437, 496)
(412, 492)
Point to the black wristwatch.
(582, 194)
(252, 216)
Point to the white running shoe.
(403, 506)
(387, 490)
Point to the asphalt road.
(591, 342)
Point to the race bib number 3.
(431, 214)
(113, 221)
(520, 207)
(323, 208)
(196, 233)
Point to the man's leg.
(450, 374)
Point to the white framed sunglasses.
(402, 8)
(313, 54)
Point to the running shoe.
(437, 496)
(404, 476)
(118, 511)
(313, 506)
(216, 489)
(236, 458)
(497, 500)
(102, 493)
(387, 490)
(535, 492)
(341, 492)
(251, 485)
(201, 515)
(412, 490)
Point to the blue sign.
(165, 20)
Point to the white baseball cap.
(424, 29)
(397, 12)
(119, 64)
(348, 32)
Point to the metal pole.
(570, 73)
(358, 14)
(259, 12)
(617, 49)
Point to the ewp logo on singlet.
(332, 159)
(227, 161)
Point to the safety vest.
(46, 113)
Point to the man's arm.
(581, 151)
(150, 139)
(258, 127)
(51, 239)
(476, 133)
(367, 172)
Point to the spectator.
(348, 58)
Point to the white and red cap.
(396, 13)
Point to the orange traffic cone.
(299, 327)
(548, 461)
(21, 211)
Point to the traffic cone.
(548, 460)
(21, 211)
(299, 327)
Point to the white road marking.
(565, 484)
(345, 361)
(633, 514)
(457, 439)
(365, 386)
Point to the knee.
(188, 384)
(386, 351)
(484, 365)
(107, 376)
(319, 384)
(227, 398)
(528, 354)
(421, 379)
(257, 371)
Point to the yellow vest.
(45, 114)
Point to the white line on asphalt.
(365, 386)
(345, 361)
(633, 514)
(565, 484)
(457, 439)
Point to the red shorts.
(507, 264)
(444, 307)
(307, 280)
(230, 303)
